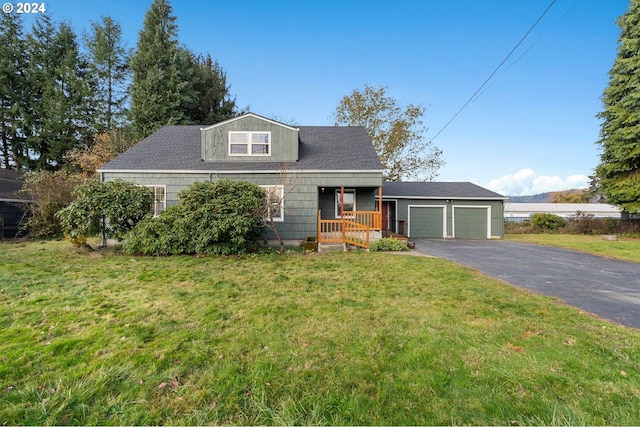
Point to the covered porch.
(350, 216)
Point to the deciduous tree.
(106, 146)
(618, 174)
(49, 192)
(395, 130)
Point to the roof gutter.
(208, 171)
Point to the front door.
(385, 215)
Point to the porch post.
(342, 211)
(379, 220)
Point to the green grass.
(348, 338)
(627, 249)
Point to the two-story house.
(329, 174)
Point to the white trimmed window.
(349, 202)
(249, 143)
(275, 195)
(159, 199)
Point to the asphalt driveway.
(605, 287)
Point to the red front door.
(385, 215)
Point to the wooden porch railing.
(354, 228)
(371, 219)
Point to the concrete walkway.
(605, 287)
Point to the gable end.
(250, 138)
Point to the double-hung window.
(159, 199)
(275, 198)
(249, 143)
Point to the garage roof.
(438, 190)
(10, 184)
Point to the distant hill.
(548, 197)
(536, 198)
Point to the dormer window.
(249, 143)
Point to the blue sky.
(532, 129)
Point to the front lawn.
(346, 338)
(627, 249)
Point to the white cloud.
(526, 182)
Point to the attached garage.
(459, 210)
(471, 222)
(427, 221)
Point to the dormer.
(249, 138)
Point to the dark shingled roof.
(10, 183)
(178, 148)
(438, 190)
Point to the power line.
(494, 71)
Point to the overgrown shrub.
(211, 218)
(49, 192)
(611, 225)
(585, 223)
(515, 227)
(388, 244)
(113, 208)
(629, 226)
(547, 221)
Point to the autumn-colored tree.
(571, 196)
(396, 132)
(49, 191)
(106, 146)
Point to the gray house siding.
(302, 189)
(284, 140)
(365, 199)
(461, 217)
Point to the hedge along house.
(459, 210)
(323, 179)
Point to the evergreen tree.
(213, 103)
(12, 86)
(160, 90)
(109, 63)
(618, 174)
(60, 107)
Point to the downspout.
(103, 237)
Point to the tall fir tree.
(60, 107)
(13, 83)
(160, 90)
(212, 103)
(109, 63)
(618, 174)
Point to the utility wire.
(494, 71)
